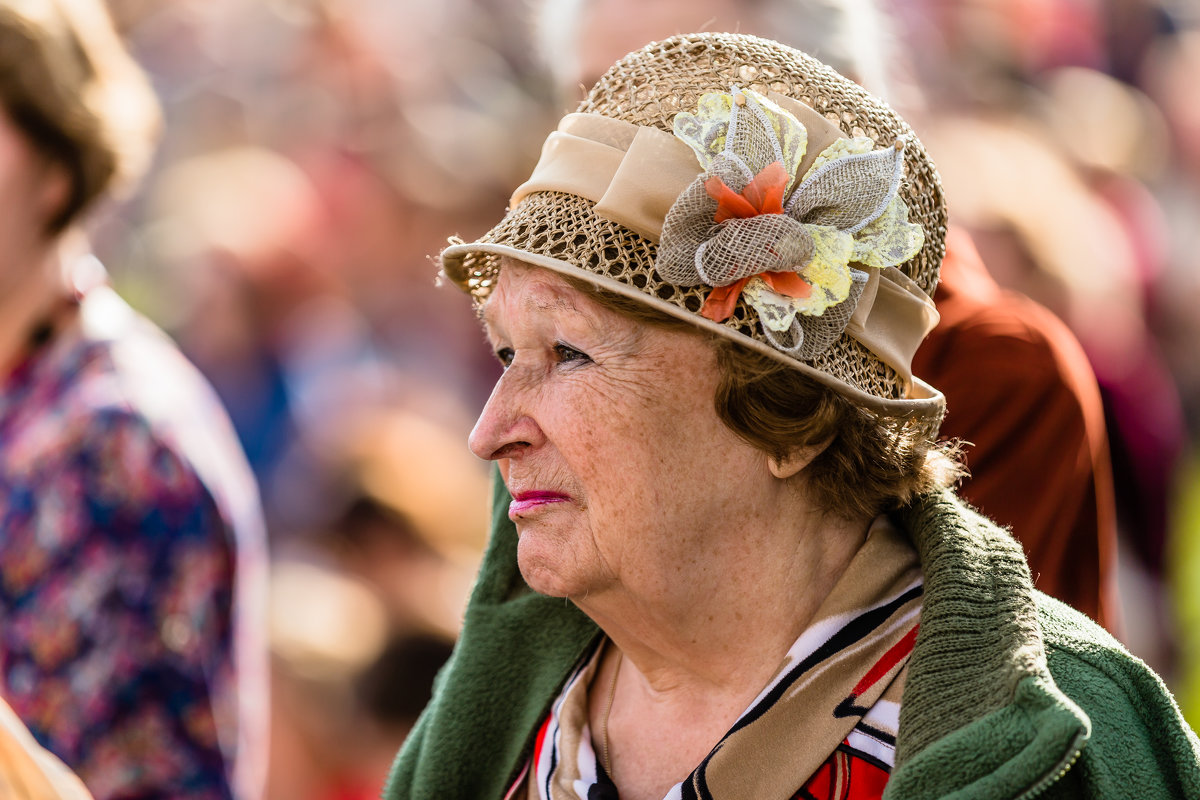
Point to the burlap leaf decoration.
(748, 228)
(849, 192)
(746, 247)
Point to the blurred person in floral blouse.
(131, 571)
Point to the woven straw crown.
(648, 88)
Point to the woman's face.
(608, 440)
(31, 191)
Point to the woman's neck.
(28, 301)
(727, 628)
(693, 659)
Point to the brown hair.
(68, 85)
(865, 468)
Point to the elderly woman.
(705, 300)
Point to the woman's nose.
(505, 427)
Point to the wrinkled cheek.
(621, 512)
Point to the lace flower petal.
(705, 130)
(840, 149)
(791, 135)
(829, 269)
(804, 337)
(776, 311)
(890, 240)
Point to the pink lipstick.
(525, 502)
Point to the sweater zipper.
(1058, 770)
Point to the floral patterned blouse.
(131, 565)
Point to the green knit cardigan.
(1010, 694)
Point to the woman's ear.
(800, 457)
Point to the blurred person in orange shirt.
(27, 770)
(1047, 160)
(1017, 384)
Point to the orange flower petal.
(719, 304)
(789, 284)
(730, 204)
(765, 192)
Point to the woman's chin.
(542, 579)
(546, 566)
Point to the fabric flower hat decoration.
(751, 226)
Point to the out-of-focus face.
(607, 438)
(31, 191)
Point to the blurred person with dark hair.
(1018, 386)
(347, 682)
(131, 573)
(405, 529)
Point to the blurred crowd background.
(318, 153)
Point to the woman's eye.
(505, 356)
(569, 355)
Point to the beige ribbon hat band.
(634, 174)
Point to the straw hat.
(625, 193)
